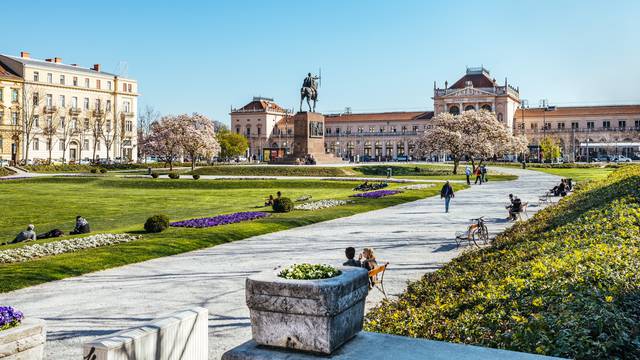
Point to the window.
(49, 100)
(108, 126)
(124, 87)
(36, 121)
(534, 126)
(129, 87)
(75, 81)
(62, 122)
(97, 104)
(14, 118)
(36, 144)
(74, 123)
(107, 107)
(86, 123)
(108, 85)
(337, 131)
(98, 84)
(248, 133)
(237, 130)
(622, 124)
(1, 92)
(560, 125)
(590, 125)
(360, 130)
(259, 130)
(86, 144)
(50, 78)
(86, 103)
(129, 126)
(127, 106)
(1, 118)
(404, 129)
(36, 76)
(74, 102)
(500, 117)
(87, 83)
(575, 125)
(606, 124)
(14, 95)
(62, 80)
(62, 101)
(547, 126)
(414, 128)
(371, 129)
(97, 144)
(49, 121)
(637, 124)
(61, 147)
(328, 130)
(35, 99)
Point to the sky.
(208, 56)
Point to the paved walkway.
(415, 237)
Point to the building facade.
(10, 105)
(583, 133)
(71, 114)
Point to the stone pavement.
(415, 238)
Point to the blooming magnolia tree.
(198, 137)
(474, 135)
(165, 140)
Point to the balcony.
(50, 109)
(75, 111)
(127, 113)
(98, 113)
(583, 130)
(373, 134)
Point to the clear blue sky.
(205, 56)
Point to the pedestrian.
(478, 173)
(447, 193)
(467, 171)
(483, 171)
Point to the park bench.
(378, 283)
(523, 210)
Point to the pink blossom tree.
(198, 137)
(446, 135)
(165, 139)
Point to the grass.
(579, 174)
(122, 205)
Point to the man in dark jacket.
(447, 194)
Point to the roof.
(383, 116)
(479, 80)
(6, 73)
(598, 110)
(57, 66)
(260, 105)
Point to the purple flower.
(220, 219)
(377, 194)
(9, 317)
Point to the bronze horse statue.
(309, 91)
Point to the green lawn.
(579, 174)
(122, 205)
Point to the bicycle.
(475, 232)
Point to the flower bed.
(320, 204)
(309, 272)
(377, 194)
(416, 187)
(564, 283)
(220, 219)
(9, 317)
(34, 251)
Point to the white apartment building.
(73, 114)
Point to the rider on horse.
(309, 90)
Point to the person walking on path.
(467, 171)
(478, 173)
(483, 171)
(447, 194)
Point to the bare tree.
(66, 130)
(96, 127)
(148, 116)
(31, 111)
(50, 130)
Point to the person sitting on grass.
(279, 194)
(82, 226)
(27, 235)
(351, 253)
(269, 201)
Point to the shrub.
(155, 175)
(196, 176)
(174, 175)
(156, 223)
(565, 283)
(94, 170)
(282, 205)
(103, 171)
(309, 272)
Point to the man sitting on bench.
(515, 207)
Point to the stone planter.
(309, 315)
(25, 342)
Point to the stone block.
(24, 342)
(180, 336)
(308, 315)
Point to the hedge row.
(404, 170)
(87, 167)
(566, 283)
(240, 170)
(5, 172)
(553, 166)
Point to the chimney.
(24, 55)
(74, 64)
(48, 60)
(96, 67)
(57, 60)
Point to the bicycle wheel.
(484, 234)
(475, 235)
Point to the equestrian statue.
(309, 91)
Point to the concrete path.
(415, 238)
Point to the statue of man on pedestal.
(309, 91)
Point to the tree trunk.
(456, 161)
(473, 164)
(50, 149)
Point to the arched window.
(469, 108)
(486, 107)
(500, 117)
(454, 110)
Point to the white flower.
(416, 186)
(320, 204)
(34, 251)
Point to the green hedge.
(240, 170)
(404, 170)
(5, 172)
(87, 168)
(565, 283)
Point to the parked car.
(402, 158)
(603, 158)
(620, 158)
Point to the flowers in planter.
(34, 251)
(377, 194)
(320, 204)
(309, 272)
(220, 219)
(9, 317)
(417, 186)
